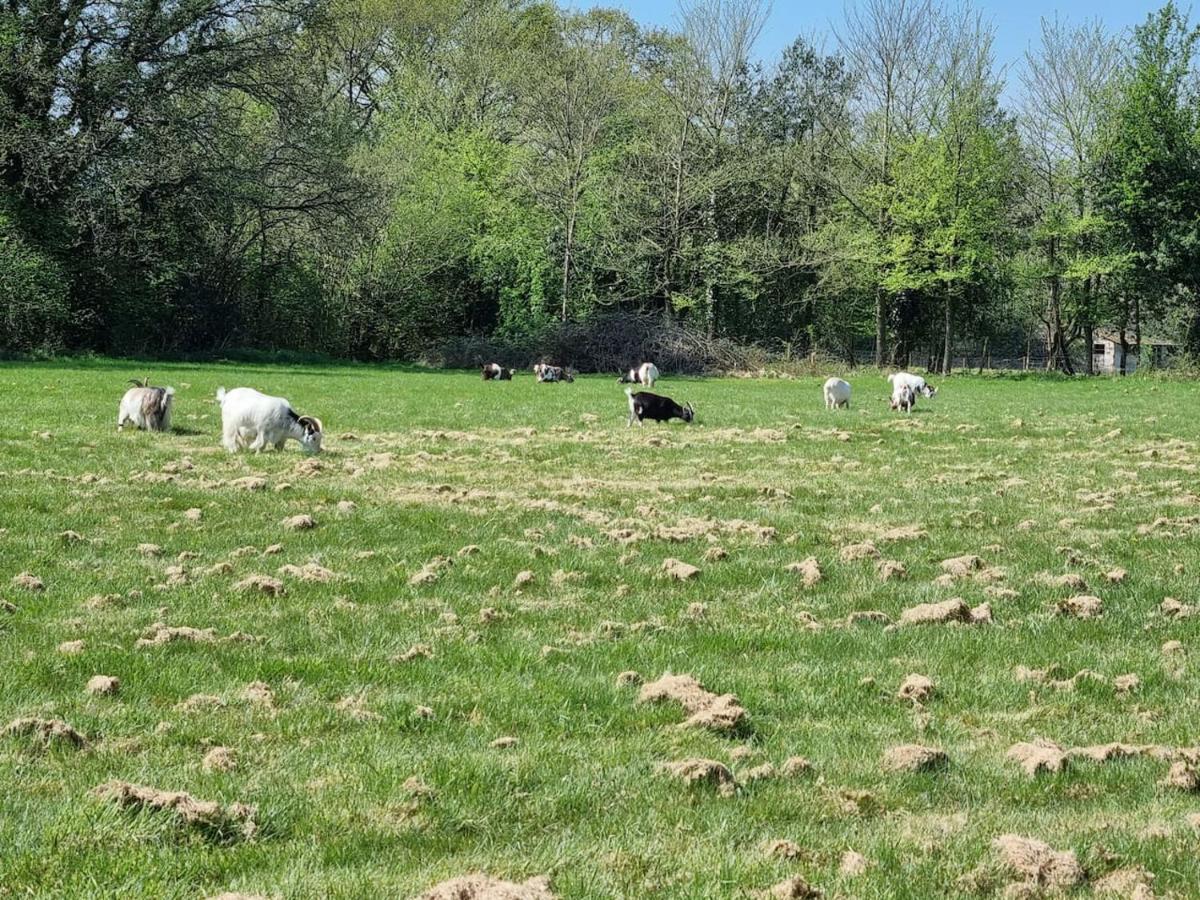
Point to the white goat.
(147, 408)
(255, 421)
(903, 396)
(837, 393)
(645, 374)
(916, 382)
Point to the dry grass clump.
(718, 712)
(234, 820)
(46, 732)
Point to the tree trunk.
(983, 355)
(947, 339)
(1124, 349)
(1089, 337)
(566, 266)
(880, 327)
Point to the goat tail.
(220, 396)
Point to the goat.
(837, 393)
(255, 421)
(916, 382)
(645, 374)
(495, 372)
(903, 396)
(549, 374)
(146, 408)
(644, 405)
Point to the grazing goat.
(645, 374)
(146, 408)
(256, 421)
(644, 405)
(837, 393)
(916, 382)
(553, 373)
(495, 372)
(903, 397)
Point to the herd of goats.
(251, 420)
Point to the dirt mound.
(71, 648)
(783, 849)
(263, 584)
(952, 610)
(158, 633)
(103, 685)
(1039, 756)
(431, 571)
(29, 582)
(259, 693)
(679, 570)
(903, 533)
(524, 577)
(719, 712)
(1183, 775)
(890, 569)
(198, 702)
(1132, 883)
(1070, 580)
(914, 758)
(962, 566)
(504, 743)
(1082, 606)
(1115, 576)
(416, 651)
(852, 864)
(302, 522)
(809, 571)
(249, 483)
(485, 887)
(355, 706)
(310, 571)
(45, 731)
(715, 554)
(1037, 865)
(915, 688)
(852, 552)
(236, 819)
(629, 678)
(794, 766)
(794, 888)
(696, 771)
(1173, 609)
(193, 514)
(219, 759)
(1126, 684)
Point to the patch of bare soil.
(193, 514)
(1173, 609)
(679, 570)
(890, 569)
(952, 610)
(524, 577)
(1115, 576)
(1082, 606)
(852, 864)
(259, 693)
(962, 566)
(158, 633)
(914, 758)
(853, 552)
(198, 702)
(795, 766)
(759, 773)
(783, 849)
(1183, 775)
(715, 554)
(915, 689)
(809, 571)
(902, 533)
(696, 771)
(355, 706)
(504, 743)
(46, 732)
(103, 685)
(236, 819)
(1070, 580)
(485, 887)
(302, 522)
(718, 712)
(1036, 865)
(71, 648)
(263, 584)
(1126, 684)
(629, 678)
(219, 759)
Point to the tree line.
(368, 178)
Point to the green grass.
(524, 472)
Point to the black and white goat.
(496, 372)
(644, 405)
(915, 382)
(256, 421)
(645, 374)
(549, 374)
(145, 407)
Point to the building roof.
(1113, 336)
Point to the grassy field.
(376, 775)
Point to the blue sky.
(1016, 21)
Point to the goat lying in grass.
(548, 374)
(256, 421)
(644, 405)
(146, 408)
